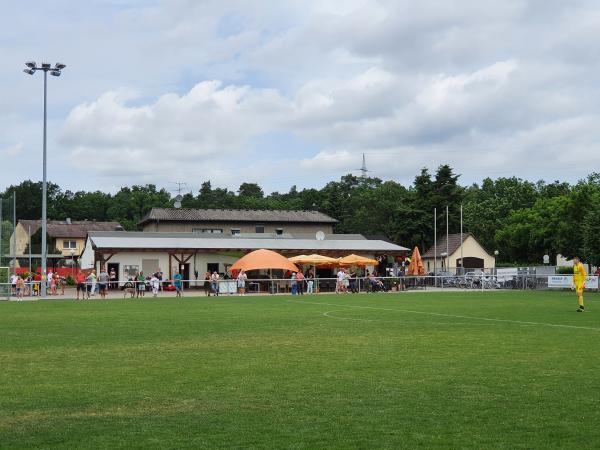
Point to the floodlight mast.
(32, 68)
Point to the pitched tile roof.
(234, 215)
(453, 245)
(76, 229)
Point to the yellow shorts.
(579, 287)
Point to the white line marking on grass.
(331, 316)
(328, 314)
(456, 316)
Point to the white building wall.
(131, 260)
(86, 260)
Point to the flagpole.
(462, 264)
(447, 247)
(435, 245)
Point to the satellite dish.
(320, 236)
(178, 201)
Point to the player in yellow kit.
(579, 276)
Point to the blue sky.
(293, 93)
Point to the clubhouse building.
(198, 241)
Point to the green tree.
(591, 233)
(129, 205)
(487, 208)
(29, 198)
(251, 190)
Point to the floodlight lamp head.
(30, 64)
(56, 73)
(29, 71)
(59, 66)
(46, 65)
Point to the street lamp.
(445, 261)
(55, 71)
(73, 263)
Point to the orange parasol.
(315, 260)
(263, 259)
(416, 267)
(358, 261)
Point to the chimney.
(68, 221)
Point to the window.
(260, 228)
(278, 230)
(235, 231)
(207, 230)
(130, 271)
(69, 244)
(212, 267)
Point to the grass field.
(422, 370)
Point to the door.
(471, 262)
(110, 266)
(185, 274)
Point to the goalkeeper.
(579, 277)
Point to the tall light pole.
(55, 71)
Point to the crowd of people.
(89, 283)
(26, 285)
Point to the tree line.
(523, 220)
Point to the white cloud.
(492, 87)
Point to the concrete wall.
(188, 227)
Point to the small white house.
(468, 254)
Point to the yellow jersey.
(579, 274)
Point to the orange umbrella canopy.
(263, 259)
(416, 266)
(314, 260)
(358, 261)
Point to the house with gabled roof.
(454, 253)
(236, 221)
(65, 238)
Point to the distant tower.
(363, 169)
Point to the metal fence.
(522, 280)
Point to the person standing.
(94, 281)
(53, 279)
(310, 283)
(141, 285)
(178, 283)
(241, 282)
(155, 284)
(113, 278)
(294, 284)
(579, 277)
(36, 284)
(48, 281)
(80, 281)
(300, 282)
(159, 276)
(103, 280)
(207, 287)
(90, 281)
(13, 283)
(19, 287)
(214, 280)
(341, 276)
